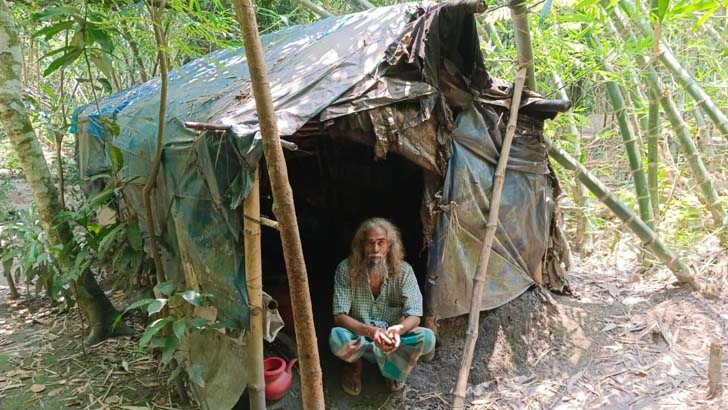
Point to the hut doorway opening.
(337, 184)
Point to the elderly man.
(377, 308)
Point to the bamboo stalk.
(578, 188)
(283, 208)
(254, 284)
(490, 228)
(318, 10)
(653, 154)
(519, 15)
(616, 98)
(650, 239)
(700, 174)
(683, 77)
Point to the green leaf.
(117, 157)
(102, 198)
(193, 297)
(63, 61)
(545, 11)
(106, 84)
(134, 235)
(52, 30)
(165, 288)
(62, 11)
(198, 323)
(194, 371)
(156, 306)
(108, 239)
(179, 327)
(153, 329)
(170, 346)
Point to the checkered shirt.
(399, 296)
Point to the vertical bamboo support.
(254, 284)
(490, 228)
(284, 210)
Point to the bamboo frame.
(492, 224)
(254, 284)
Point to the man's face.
(376, 245)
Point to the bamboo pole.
(616, 98)
(318, 10)
(519, 15)
(254, 284)
(485, 251)
(283, 208)
(683, 77)
(702, 178)
(653, 154)
(650, 239)
(578, 188)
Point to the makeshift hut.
(388, 112)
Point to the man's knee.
(425, 341)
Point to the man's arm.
(354, 326)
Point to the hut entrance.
(337, 184)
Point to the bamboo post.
(254, 284)
(715, 382)
(315, 8)
(490, 228)
(650, 239)
(283, 208)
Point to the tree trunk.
(283, 207)
(14, 117)
(7, 267)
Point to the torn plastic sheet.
(524, 219)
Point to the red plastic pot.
(277, 376)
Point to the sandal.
(394, 385)
(351, 382)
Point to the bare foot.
(394, 385)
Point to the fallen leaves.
(37, 388)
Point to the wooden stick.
(264, 221)
(284, 210)
(490, 228)
(317, 9)
(254, 284)
(208, 126)
(715, 382)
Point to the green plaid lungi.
(396, 365)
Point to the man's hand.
(384, 341)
